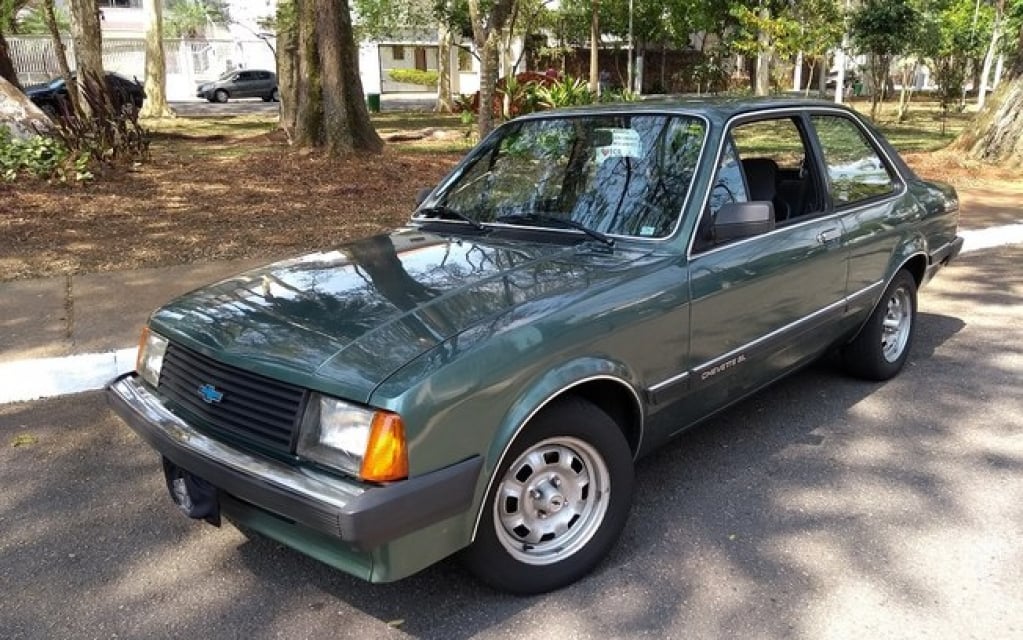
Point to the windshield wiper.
(444, 211)
(542, 219)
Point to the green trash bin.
(373, 102)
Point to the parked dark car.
(241, 83)
(583, 286)
(52, 96)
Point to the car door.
(245, 85)
(868, 195)
(761, 305)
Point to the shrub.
(569, 92)
(415, 76)
(40, 156)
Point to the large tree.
(489, 18)
(155, 105)
(88, 42)
(882, 29)
(8, 19)
(996, 135)
(324, 91)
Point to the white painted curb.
(47, 377)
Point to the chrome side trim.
(539, 407)
(838, 304)
(864, 291)
(709, 364)
(670, 381)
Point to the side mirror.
(422, 194)
(737, 220)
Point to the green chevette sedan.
(584, 285)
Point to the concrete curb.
(48, 377)
(25, 380)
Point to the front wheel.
(220, 95)
(881, 349)
(558, 502)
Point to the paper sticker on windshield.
(624, 143)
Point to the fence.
(189, 61)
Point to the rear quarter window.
(855, 169)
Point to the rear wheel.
(881, 349)
(558, 502)
(276, 95)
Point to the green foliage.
(567, 92)
(43, 157)
(78, 145)
(33, 21)
(883, 27)
(415, 76)
(189, 18)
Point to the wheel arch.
(913, 259)
(611, 392)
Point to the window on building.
(397, 52)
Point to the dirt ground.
(210, 198)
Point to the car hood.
(342, 321)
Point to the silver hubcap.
(552, 500)
(896, 324)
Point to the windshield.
(625, 175)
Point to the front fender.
(550, 386)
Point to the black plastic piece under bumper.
(363, 516)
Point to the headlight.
(354, 439)
(152, 347)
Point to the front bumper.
(362, 516)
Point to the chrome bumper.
(363, 516)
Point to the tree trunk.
(309, 111)
(332, 112)
(996, 135)
(445, 40)
(19, 114)
(60, 53)
(595, 47)
(287, 65)
(7, 71)
(88, 42)
(486, 35)
(985, 73)
(349, 128)
(764, 54)
(489, 64)
(155, 105)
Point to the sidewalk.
(66, 334)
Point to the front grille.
(252, 409)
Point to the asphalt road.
(821, 508)
(249, 106)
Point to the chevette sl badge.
(210, 395)
(724, 366)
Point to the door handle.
(827, 235)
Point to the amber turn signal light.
(386, 456)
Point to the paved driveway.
(821, 508)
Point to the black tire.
(584, 458)
(220, 95)
(882, 347)
(276, 95)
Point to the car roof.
(714, 108)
